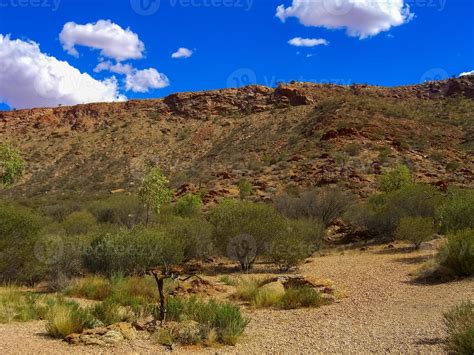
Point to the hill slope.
(298, 135)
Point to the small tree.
(415, 229)
(154, 191)
(12, 165)
(395, 179)
(245, 189)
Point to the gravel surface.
(383, 312)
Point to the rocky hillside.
(296, 136)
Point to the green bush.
(17, 306)
(298, 241)
(188, 206)
(353, 149)
(245, 189)
(459, 322)
(458, 253)
(92, 287)
(395, 179)
(12, 165)
(109, 312)
(458, 211)
(242, 230)
(133, 251)
(121, 209)
(195, 234)
(135, 291)
(325, 204)
(381, 215)
(224, 318)
(19, 233)
(79, 223)
(301, 298)
(415, 230)
(67, 318)
(453, 166)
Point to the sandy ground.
(384, 312)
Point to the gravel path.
(383, 312)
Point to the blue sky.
(236, 42)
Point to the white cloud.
(111, 39)
(30, 78)
(467, 73)
(144, 80)
(360, 18)
(182, 53)
(308, 42)
(118, 68)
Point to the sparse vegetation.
(189, 206)
(12, 165)
(458, 253)
(395, 179)
(325, 204)
(415, 230)
(459, 322)
(225, 319)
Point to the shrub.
(267, 297)
(452, 166)
(109, 312)
(325, 204)
(67, 318)
(225, 319)
(458, 211)
(12, 165)
(195, 235)
(79, 223)
(247, 289)
(133, 251)
(353, 149)
(121, 209)
(229, 280)
(459, 322)
(17, 306)
(415, 229)
(188, 206)
(296, 243)
(301, 297)
(135, 291)
(92, 287)
(458, 253)
(245, 189)
(19, 232)
(243, 229)
(381, 215)
(395, 179)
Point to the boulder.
(275, 287)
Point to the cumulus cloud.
(30, 78)
(467, 73)
(118, 68)
(360, 18)
(182, 53)
(112, 40)
(308, 42)
(144, 80)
